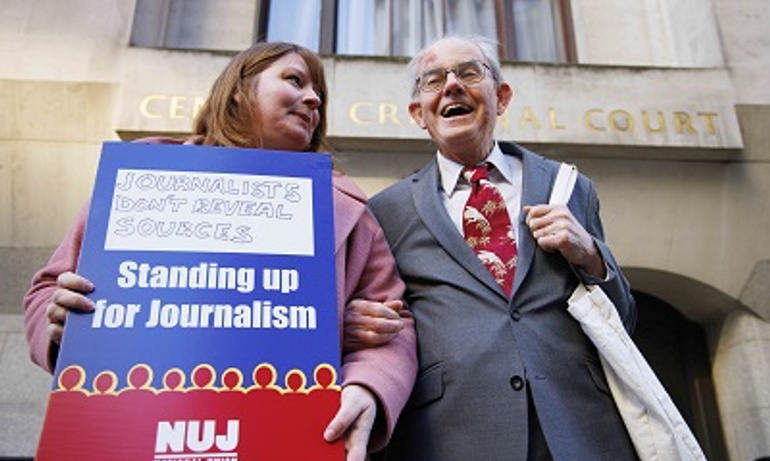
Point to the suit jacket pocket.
(428, 388)
(597, 375)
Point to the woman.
(273, 96)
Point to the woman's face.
(285, 105)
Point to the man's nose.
(452, 82)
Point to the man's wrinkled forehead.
(448, 53)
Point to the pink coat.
(365, 270)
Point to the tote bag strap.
(563, 185)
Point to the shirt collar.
(450, 170)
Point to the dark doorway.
(677, 352)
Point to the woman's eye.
(295, 79)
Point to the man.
(505, 372)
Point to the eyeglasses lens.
(467, 73)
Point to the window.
(194, 24)
(295, 21)
(364, 27)
(402, 27)
(527, 30)
(539, 29)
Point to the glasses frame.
(421, 87)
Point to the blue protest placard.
(216, 313)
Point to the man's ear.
(415, 110)
(504, 97)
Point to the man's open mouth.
(454, 110)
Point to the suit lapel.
(426, 194)
(536, 185)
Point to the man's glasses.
(467, 73)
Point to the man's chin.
(459, 134)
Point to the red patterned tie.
(487, 227)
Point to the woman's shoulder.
(347, 187)
(159, 140)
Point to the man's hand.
(70, 295)
(371, 324)
(556, 229)
(354, 421)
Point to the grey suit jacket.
(479, 351)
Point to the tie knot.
(474, 174)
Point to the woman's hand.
(371, 324)
(354, 421)
(70, 295)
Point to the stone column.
(741, 372)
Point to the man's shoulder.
(524, 154)
(393, 194)
(396, 187)
(531, 159)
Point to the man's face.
(460, 118)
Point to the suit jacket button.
(516, 315)
(517, 383)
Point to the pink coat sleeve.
(42, 350)
(370, 273)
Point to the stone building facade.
(666, 108)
